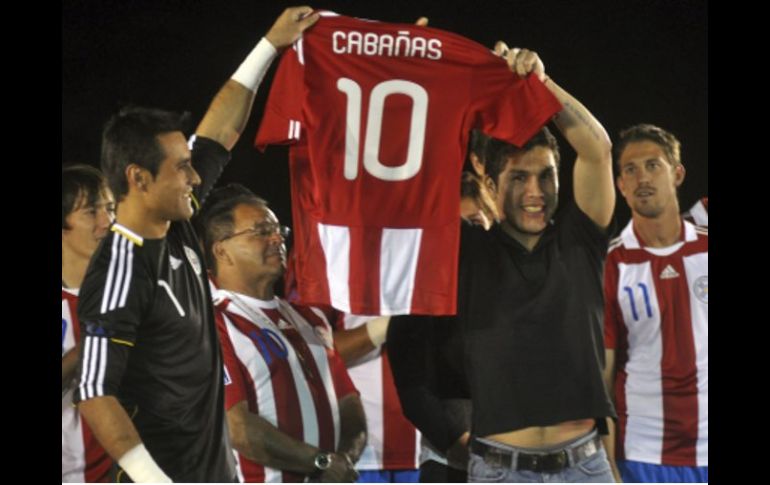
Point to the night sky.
(628, 61)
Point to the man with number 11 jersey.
(384, 112)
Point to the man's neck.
(134, 216)
(529, 241)
(261, 290)
(73, 269)
(659, 232)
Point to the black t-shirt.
(532, 325)
(149, 338)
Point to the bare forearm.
(581, 129)
(111, 425)
(69, 363)
(227, 115)
(352, 427)
(352, 344)
(257, 439)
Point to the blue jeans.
(594, 468)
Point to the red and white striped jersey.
(82, 457)
(385, 111)
(656, 319)
(393, 442)
(280, 358)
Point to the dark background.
(629, 61)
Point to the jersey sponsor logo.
(175, 262)
(668, 273)
(701, 288)
(270, 345)
(193, 259)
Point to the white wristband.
(140, 466)
(253, 68)
(377, 330)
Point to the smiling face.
(647, 179)
(170, 191)
(88, 224)
(255, 254)
(527, 194)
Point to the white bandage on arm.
(377, 330)
(140, 466)
(253, 68)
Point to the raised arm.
(593, 185)
(229, 111)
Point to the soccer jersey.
(150, 339)
(656, 319)
(393, 442)
(82, 457)
(281, 360)
(385, 111)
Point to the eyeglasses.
(263, 231)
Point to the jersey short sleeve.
(116, 292)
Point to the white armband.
(378, 330)
(253, 68)
(140, 466)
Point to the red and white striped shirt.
(393, 442)
(281, 360)
(82, 457)
(656, 319)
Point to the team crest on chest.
(194, 261)
(701, 288)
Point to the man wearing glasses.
(292, 410)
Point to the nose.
(532, 188)
(103, 218)
(195, 179)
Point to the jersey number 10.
(372, 163)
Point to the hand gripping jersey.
(656, 319)
(385, 111)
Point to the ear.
(621, 185)
(679, 173)
(220, 254)
(477, 165)
(136, 177)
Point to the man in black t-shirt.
(151, 375)
(530, 304)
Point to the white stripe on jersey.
(335, 241)
(399, 252)
(172, 296)
(321, 359)
(117, 284)
(638, 302)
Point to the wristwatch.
(322, 461)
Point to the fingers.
(501, 48)
(308, 21)
(422, 22)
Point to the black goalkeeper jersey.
(149, 338)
